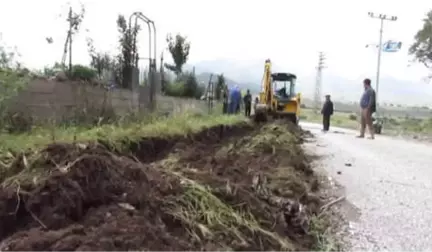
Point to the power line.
(318, 84)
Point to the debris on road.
(326, 206)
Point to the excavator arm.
(266, 96)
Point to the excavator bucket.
(260, 114)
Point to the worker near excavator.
(247, 99)
(235, 98)
(256, 103)
(225, 100)
(327, 112)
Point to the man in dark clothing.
(327, 112)
(367, 106)
(247, 99)
(237, 110)
(225, 100)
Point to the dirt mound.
(39, 164)
(237, 188)
(97, 187)
(265, 174)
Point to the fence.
(45, 99)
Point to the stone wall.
(53, 100)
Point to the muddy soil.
(240, 175)
(97, 198)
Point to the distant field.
(387, 111)
(340, 119)
(394, 112)
(397, 120)
(404, 125)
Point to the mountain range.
(249, 76)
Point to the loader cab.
(284, 85)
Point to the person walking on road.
(327, 112)
(367, 106)
(247, 99)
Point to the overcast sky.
(284, 30)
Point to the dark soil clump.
(85, 201)
(97, 198)
(266, 179)
(152, 149)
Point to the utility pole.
(68, 43)
(162, 73)
(71, 23)
(320, 67)
(381, 17)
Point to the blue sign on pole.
(392, 46)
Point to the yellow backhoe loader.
(278, 98)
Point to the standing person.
(235, 99)
(225, 100)
(247, 99)
(239, 99)
(256, 103)
(327, 112)
(231, 101)
(367, 106)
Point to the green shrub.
(185, 86)
(80, 72)
(352, 117)
(17, 122)
(393, 122)
(175, 89)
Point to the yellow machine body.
(278, 98)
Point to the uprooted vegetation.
(226, 187)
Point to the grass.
(15, 165)
(201, 209)
(408, 125)
(177, 125)
(339, 119)
(320, 228)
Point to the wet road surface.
(387, 180)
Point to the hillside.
(205, 77)
(391, 90)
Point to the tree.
(129, 55)
(99, 61)
(13, 78)
(220, 84)
(422, 47)
(179, 48)
(74, 19)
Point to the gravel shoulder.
(388, 188)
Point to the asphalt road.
(388, 182)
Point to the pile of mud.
(227, 188)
